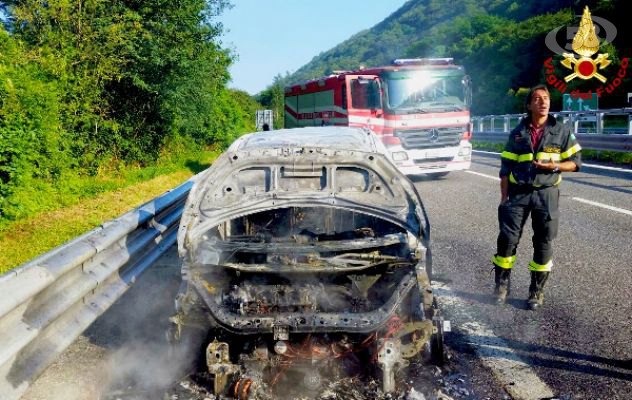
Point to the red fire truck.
(419, 107)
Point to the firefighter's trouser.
(542, 205)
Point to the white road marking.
(629, 171)
(592, 203)
(513, 373)
(484, 175)
(607, 207)
(485, 152)
(608, 168)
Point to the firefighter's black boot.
(503, 283)
(536, 289)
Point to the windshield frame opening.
(455, 98)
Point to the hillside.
(500, 42)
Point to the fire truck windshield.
(425, 91)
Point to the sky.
(274, 36)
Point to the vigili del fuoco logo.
(585, 44)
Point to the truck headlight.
(400, 156)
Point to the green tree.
(175, 76)
(80, 44)
(31, 138)
(85, 83)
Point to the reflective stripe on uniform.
(533, 266)
(512, 179)
(517, 157)
(504, 262)
(542, 156)
(568, 153)
(557, 182)
(559, 179)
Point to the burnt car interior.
(343, 283)
(305, 259)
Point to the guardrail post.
(506, 124)
(481, 124)
(629, 124)
(599, 122)
(575, 122)
(491, 128)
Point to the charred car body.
(305, 248)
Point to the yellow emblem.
(552, 150)
(585, 43)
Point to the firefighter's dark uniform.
(532, 191)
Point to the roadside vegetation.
(501, 43)
(84, 203)
(97, 96)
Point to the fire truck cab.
(420, 109)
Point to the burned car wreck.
(305, 255)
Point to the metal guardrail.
(48, 302)
(622, 143)
(495, 128)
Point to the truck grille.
(433, 160)
(430, 138)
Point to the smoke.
(140, 362)
(124, 354)
(144, 367)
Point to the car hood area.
(316, 168)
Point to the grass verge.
(68, 210)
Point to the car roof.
(332, 137)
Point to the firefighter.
(538, 150)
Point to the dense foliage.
(87, 85)
(500, 43)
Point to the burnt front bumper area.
(308, 322)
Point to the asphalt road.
(579, 345)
